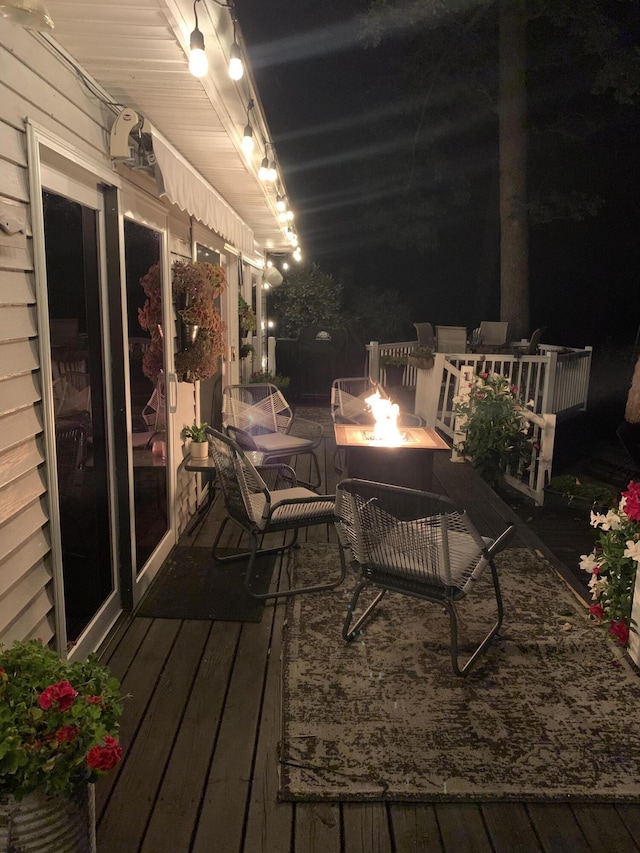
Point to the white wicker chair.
(258, 418)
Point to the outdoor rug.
(191, 586)
(550, 713)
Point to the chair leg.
(285, 593)
(349, 633)
(462, 671)
(242, 555)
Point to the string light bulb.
(236, 67)
(272, 172)
(281, 203)
(263, 172)
(247, 136)
(198, 64)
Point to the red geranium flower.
(620, 631)
(105, 757)
(632, 501)
(95, 700)
(597, 611)
(62, 693)
(66, 733)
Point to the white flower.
(632, 550)
(610, 521)
(597, 585)
(588, 563)
(531, 404)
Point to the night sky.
(344, 133)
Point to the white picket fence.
(555, 383)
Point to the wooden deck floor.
(201, 732)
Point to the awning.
(183, 186)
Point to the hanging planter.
(421, 358)
(195, 287)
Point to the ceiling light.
(236, 68)
(198, 64)
(28, 13)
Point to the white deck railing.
(556, 380)
(554, 383)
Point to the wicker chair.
(258, 418)
(263, 501)
(415, 543)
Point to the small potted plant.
(393, 366)
(248, 320)
(247, 350)
(421, 357)
(199, 448)
(58, 733)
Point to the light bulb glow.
(247, 140)
(272, 173)
(263, 172)
(285, 266)
(289, 215)
(198, 64)
(236, 68)
(281, 203)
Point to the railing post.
(459, 432)
(374, 361)
(428, 384)
(549, 385)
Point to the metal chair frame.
(265, 500)
(418, 544)
(258, 417)
(348, 406)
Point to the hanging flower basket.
(422, 363)
(195, 287)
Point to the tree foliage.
(307, 297)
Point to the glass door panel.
(73, 285)
(148, 417)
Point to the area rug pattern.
(550, 713)
(191, 586)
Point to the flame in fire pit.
(386, 419)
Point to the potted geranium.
(613, 564)
(58, 733)
(247, 317)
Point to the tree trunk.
(632, 409)
(513, 142)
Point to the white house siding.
(33, 83)
(37, 84)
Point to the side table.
(207, 468)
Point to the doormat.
(191, 586)
(548, 714)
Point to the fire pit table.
(405, 462)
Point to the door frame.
(57, 166)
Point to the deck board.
(202, 727)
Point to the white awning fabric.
(182, 185)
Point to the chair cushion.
(275, 441)
(293, 513)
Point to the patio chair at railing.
(349, 406)
(259, 418)
(451, 339)
(414, 543)
(529, 347)
(426, 337)
(493, 336)
(266, 500)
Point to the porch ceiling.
(137, 50)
